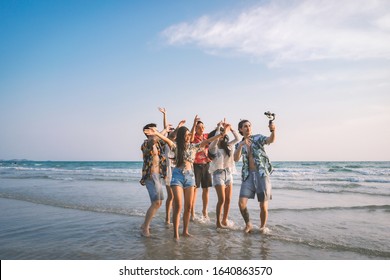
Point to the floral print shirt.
(190, 151)
(262, 162)
(147, 152)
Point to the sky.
(79, 79)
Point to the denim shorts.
(154, 185)
(182, 178)
(256, 183)
(222, 177)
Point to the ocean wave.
(80, 207)
(84, 174)
(338, 189)
(37, 176)
(353, 166)
(306, 171)
(326, 170)
(340, 170)
(64, 178)
(331, 179)
(72, 170)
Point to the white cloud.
(287, 31)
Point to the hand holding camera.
(271, 117)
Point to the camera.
(270, 115)
(222, 129)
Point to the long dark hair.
(180, 145)
(223, 144)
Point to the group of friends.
(184, 160)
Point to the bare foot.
(145, 231)
(227, 223)
(221, 226)
(248, 228)
(264, 230)
(187, 234)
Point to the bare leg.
(193, 203)
(168, 205)
(245, 214)
(149, 216)
(263, 213)
(177, 206)
(188, 198)
(226, 206)
(220, 203)
(205, 200)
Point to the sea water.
(94, 210)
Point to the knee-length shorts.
(154, 186)
(256, 184)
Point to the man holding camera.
(255, 172)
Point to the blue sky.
(79, 79)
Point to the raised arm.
(196, 119)
(272, 137)
(153, 131)
(236, 137)
(209, 140)
(173, 133)
(180, 124)
(164, 112)
(213, 144)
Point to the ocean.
(53, 210)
